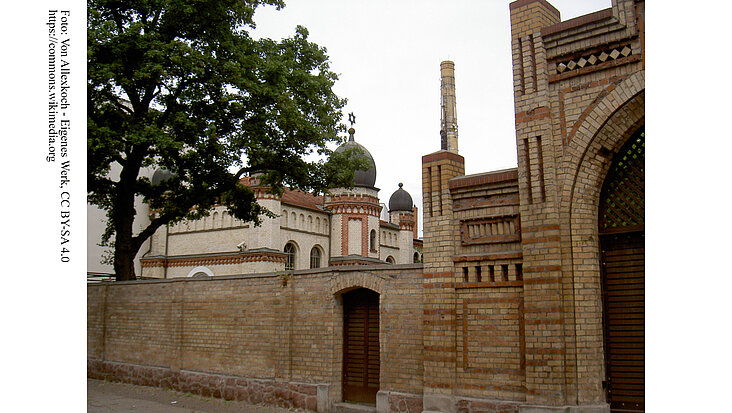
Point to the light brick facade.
(505, 314)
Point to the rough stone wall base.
(255, 391)
(395, 402)
(456, 404)
(600, 408)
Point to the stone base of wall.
(255, 391)
(600, 408)
(465, 405)
(395, 402)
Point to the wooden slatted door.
(622, 242)
(360, 346)
(624, 280)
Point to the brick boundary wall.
(282, 394)
(255, 338)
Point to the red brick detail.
(521, 3)
(613, 83)
(577, 21)
(539, 228)
(534, 114)
(227, 259)
(437, 275)
(542, 268)
(482, 179)
(497, 284)
(447, 349)
(539, 240)
(543, 322)
(546, 280)
(544, 351)
(440, 285)
(614, 80)
(542, 309)
(435, 385)
(536, 362)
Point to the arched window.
(390, 260)
(416, 257)
(373, 240)
(284, 218)
(200, 272)
(315, 256)
(291, 252)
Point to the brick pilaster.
(440, 236)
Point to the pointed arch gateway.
(591, 152)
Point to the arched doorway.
(360, 346)
(622, 244)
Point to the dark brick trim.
(482, 179)
(521, 3)
(577, 21)
(442, 155)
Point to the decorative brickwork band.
(219, 259)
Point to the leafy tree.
(180, 85)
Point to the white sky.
(387, 55)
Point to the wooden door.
(622, 243)
(624, 299)
(360, 346)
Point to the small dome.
(361, 178)
(400, 200)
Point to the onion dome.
(362, 178)
(400, 200)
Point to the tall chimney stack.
(448, 123)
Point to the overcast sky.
(387, 55)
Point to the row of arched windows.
(389, 238)
(293, 220)
(214, 221)
(291, 250)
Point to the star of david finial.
(352, 118)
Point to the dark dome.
(400, 200)
(161, 175)
(361, 178)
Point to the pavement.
(108, 397)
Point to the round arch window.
(390, 260)
(291, 252)
(315, 257)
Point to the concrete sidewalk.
(107, 397)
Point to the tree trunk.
(124, 263)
